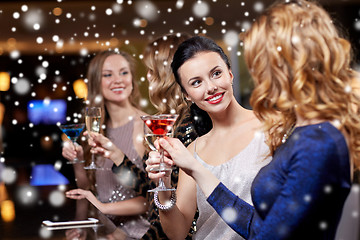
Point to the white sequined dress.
(237, 174)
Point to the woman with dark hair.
(304, 98)
(202, 70)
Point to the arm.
(317, 178)
(185, 160)
(134, 206)
(104, 147)
(223, 200)
(186, 134)
(70, 151)
(184, 210)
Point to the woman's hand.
(78, 194)
(104, 147)
(176, 153)
(76, 233)
(153, 162)
(186, 161)
(70, 151)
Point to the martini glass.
(72, 131)
(93, 121)
(160, 126)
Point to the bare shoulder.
(253, 120)
(249, 121)
(137, 116)
(191, 146)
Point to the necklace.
(288, 134)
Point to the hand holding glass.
(160, 126)
(72, 131)
(93, 121)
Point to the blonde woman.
(112, 86)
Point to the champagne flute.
(93, 124)
(72, 131)
(158, 126)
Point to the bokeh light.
(57, 198)
(9, 175)
(33, 16)
(146, 9)
(201, 9)
(27, 195)
(22, 86)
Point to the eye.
(107, 75)
(195, 83)
(216, 74)
(124, 73)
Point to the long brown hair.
(300, 64)
(94, 77)
(95, 97)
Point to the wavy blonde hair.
(167, 94)
(300, 64)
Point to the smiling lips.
(216, 98)
(118, 90)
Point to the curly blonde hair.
(301, 65)
(167, 94)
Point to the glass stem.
(74, 142)
(161, 167)
(92, 158)
(161, 183)
(162, 164)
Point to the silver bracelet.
(168, 205)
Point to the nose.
(211, 87)
(117, 77)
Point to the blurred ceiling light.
(7, 211)
(57, 11)
(11, 42)
(80, 88)
(209, 21)
(143, 23)
(6, 206)
(4, 81)
(114, 42)
(2, 111)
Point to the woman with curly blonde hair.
(303, 96)
(302, 72)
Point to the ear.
(231, 76)
(187, 97)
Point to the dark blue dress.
(299, 194)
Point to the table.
(27, 224)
